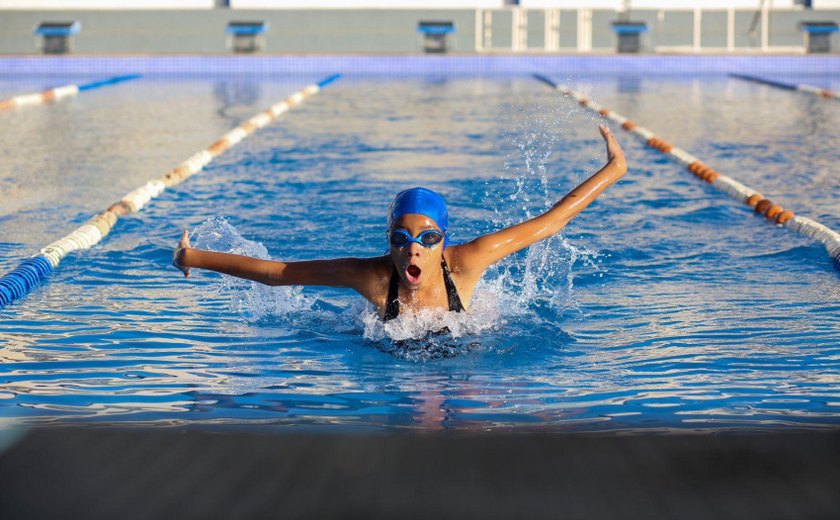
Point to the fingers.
(614, 151)
(183, 244)
(605, 132)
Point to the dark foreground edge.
(150, 474)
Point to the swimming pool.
(664, 306)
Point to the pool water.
(664, 306)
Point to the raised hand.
(614, 151)
(178, 255)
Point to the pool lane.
(761, 205)
(32, 272)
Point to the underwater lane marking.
(801, 87)
(31, 272)
(55, 94)
(744, 194)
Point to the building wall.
(178, 31)
(336, 31)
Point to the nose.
(413, 249)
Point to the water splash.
(254, 301)
(429, 334)
(513, 290)
(547, 269)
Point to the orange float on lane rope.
(773, 211)
(219, 147)
(711, 176)
(763, 205)
(695, 167)
(754, 199)
(784, 216)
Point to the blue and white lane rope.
(55, 94)
(772, 212)
(31, 272)
(801, 87)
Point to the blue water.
(664, 306)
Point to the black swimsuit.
(392, 308)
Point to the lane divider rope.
(771, 211)
(54, 94)
(29, 274)
(801, 87)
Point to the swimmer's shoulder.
(456, 258)
(374, 275)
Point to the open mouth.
(412, 274)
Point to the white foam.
(254, 301)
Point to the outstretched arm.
(477, 255)
(341, 272)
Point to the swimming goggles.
(429, 238)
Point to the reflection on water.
(661, 307)
(235, 95)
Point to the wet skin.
(420, 276)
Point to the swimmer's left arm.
(485, 250)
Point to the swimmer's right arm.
(477, 255)
(341, 272)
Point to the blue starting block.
(818, 35)
(246, 37)
(435, 35)
(56, 35)
(629, 35)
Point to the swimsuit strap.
(392, 304)
(451, 290)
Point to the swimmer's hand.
(615, 154)
(178, 255)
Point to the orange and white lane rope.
(771, 211)
(58, 93)
(17, 283)
(39, 98)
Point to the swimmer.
(421, 269)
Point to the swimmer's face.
(414, 262)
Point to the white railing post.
(765, 32)
(584, 30)
(552, 30)
(488, 29)
(523, 30)
(519, 30)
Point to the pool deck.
(163, 473)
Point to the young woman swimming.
(421, 270)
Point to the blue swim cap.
(419, 201)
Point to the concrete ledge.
(107, 474)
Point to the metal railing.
(583, 35)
